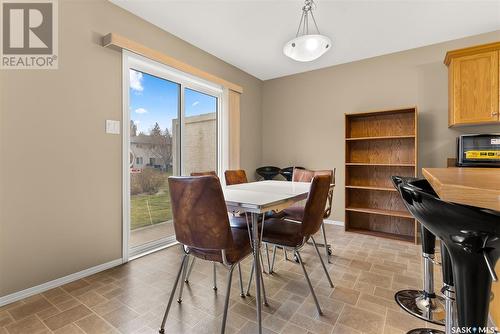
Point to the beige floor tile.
(91, 298)
(312, 325)
(31, 325)
(383, 281)
(69, 329)
(120, 315)
(30, 308)
(66, 317)
(361, 320)
(341, 329)
(93, 324)
(251, 328)
(346, 295)
(5, 319)
(274, 323)
(293, 329)
(403, 321)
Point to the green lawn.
(158, 211)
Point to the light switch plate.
(112, 127)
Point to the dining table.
(255, 199)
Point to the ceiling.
(250, 34)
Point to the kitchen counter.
(478, 187)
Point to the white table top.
(263, 196)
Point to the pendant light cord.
(307, 9)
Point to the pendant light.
(305, 46)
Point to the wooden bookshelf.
(379, 145)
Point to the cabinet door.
(475, 89)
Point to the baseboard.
(13, 297)
(333, 222)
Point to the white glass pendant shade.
(307, 47)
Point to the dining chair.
(201, 225)
(296, 212)
(292, 236)
(235, 222)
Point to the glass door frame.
(134, 61)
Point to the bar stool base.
(428, 309)
(425, 331)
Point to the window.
(138, 161)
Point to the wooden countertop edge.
(449, 192)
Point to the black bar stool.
(472, 238)
(423, 304)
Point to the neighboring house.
(150, 151)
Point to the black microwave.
(478, 150)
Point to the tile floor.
(131, 298)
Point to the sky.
(152, 99)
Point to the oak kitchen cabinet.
(473, 85)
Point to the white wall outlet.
(112, 127)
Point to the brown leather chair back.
(199, 212)
(315, 204)
(305, 175)
(211, 172)
(235, 176)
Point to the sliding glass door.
(173, 130)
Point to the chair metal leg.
(226, 302)
(309, 283)
(162, 327)
(323, 232)
(242, 293)
(322, 262)
(263, 290)
(184, 271)
(250, 279)
(262, 263)
(268, 261)
(189, 271)
(271, 270)
(215, 278)
(286, 257)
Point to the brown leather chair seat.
(283, 232)
(241, 249)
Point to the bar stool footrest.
(417, 304)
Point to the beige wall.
(60, 177)
(303, 114)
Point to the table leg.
(258, 273)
